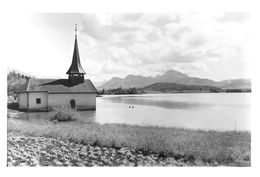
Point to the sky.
(206, 45)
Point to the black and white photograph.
(129, 89)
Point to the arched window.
(73, 104)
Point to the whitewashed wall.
(32, 100)
(22, 100)
(83, 101)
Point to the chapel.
(75, 91)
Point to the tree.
(103, 91)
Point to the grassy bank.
(208, 147)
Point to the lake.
(207, 111)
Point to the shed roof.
(56, 86)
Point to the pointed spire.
(75, 67)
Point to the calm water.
(220, 111)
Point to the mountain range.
(173, 76)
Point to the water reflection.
(85, 116)
(168, 104)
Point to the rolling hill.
(173, 76)
(179, 88)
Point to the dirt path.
(43, 151)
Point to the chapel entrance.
(73, 104)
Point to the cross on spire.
(76, 30)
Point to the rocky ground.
(45, 151)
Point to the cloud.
(202, 44)
(111, 68)
(104, 30)
(238, 17)
(178, 34)
(132, 16)
(150, 43)
(197, 40)
(122, 28)
(93, 27)
(161, 21)
(181, 57)
(152, 37)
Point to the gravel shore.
(44, 151)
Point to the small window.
(38, 101)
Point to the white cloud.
(238, 17)
(191, 40)
(148, 44)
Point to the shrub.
(63, 113)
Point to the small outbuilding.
(76, 91)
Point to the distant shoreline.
(167, 93)
(172, 88)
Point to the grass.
(208, 147)
(63, 113)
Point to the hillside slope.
(172, 76)
(176, 88)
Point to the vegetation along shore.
(43, 142)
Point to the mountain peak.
(175, 73)
(131, 76)
(170, 76)
(115, 79)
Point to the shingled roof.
(56, 86)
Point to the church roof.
(56, 86)
(75, 67)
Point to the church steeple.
(76, 72)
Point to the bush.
(63, 113)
